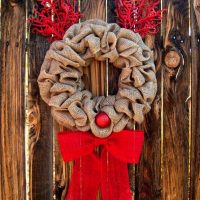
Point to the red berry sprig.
(53, 18)
(140, 16)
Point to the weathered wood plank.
(40, 129)
(148, 172)
(41, 126)
(113, 72)
(94, 74)
(12, 115)
(176, 89)
(62, 169)
(93, 9)
(195, 146)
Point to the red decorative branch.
(54, 18)
(140, 16)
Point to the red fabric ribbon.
(107, 170)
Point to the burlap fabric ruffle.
(62, 88)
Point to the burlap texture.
(62, 88)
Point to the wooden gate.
(30, 162)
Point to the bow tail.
(85, 181)
(114, 178)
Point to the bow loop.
(125, 145)
(75, 144)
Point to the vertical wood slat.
(113, 72)
(12, 151)
(40, 123)
(91, 9)
(62, 169)
(148, 172)
(40, 139)
(195, 146)
(176, 89)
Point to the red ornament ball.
(102, 120)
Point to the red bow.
(108, 170)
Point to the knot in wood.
(172, 59)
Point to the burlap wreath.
(62, 88)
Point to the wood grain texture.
(176, 89)
(195, 147)
(148, 172)
(195, 7)
(63, 171)
(113, 72)
(94, 74)
(93, 9)
(40, 123)
(41, 128)
(12, 159)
